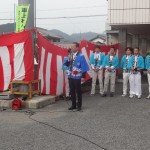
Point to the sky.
(64, 8)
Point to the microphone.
(69, 51)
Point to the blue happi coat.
(124, 63)
(97, 64)
(114, 65)
(147, 62)
(140, 63)
(79, 67)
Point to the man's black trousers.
(75, 89)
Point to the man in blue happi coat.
(77, 73)
(147, 66)
(96, 62)
(110, 64)
(126, 71)
(136, 64)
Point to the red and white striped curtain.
(16, 58)
(50, 66)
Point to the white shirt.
(74, 54)
(135, 61)
(128, 56)
(111, 58)
(97, 56)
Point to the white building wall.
(129, 11)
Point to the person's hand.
(109, 68)
(148, 71)
(82, 80)
(132, 69)
(69, 57)
(134, 72)
(100, 68)
(94, 69)
(97, 69)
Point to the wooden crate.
(30, 84)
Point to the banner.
(21, 17)
(16, 58)
(50, 66)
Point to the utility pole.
(14, 17)
(35, 13)
(31, 20)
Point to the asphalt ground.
(104, 123)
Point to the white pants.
(112, 77)
(98, 74)
(135, 84)
(125, 82)
(67, 89)
(148, 76)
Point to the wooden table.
(30, 85)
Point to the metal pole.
(35, 13)
(14, 17)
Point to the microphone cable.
(31, 114)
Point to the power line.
(71, 23)
(73, 17)
(72, 8)
(4, 12)
(6, 19)
(63, 8)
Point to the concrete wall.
(129, 40)
(129, 11)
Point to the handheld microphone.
(69, 51)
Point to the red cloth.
(50, 71)
(16, 58)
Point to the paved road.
(112, 123)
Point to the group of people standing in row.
(132, 64)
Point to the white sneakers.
(139, 96)
(148, 97)
(135, 96)
(92, 95)
(131, 96)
